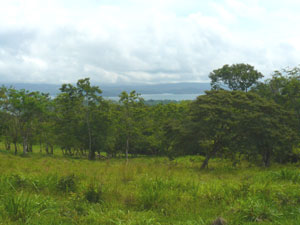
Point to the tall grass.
(54, 190)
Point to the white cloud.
(142, 41)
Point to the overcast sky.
(143, 41)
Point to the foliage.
(67, 183)
(235, 77)
(93, 194)
(242, 122)
(261, 125)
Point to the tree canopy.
(235, 77)
(241, 122)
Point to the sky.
(143, 41)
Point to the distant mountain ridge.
(112, 90)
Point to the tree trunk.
(30, 147)
(208, 156)
(205, 162)
(69, 151)
(51, 147)
(127, 150)
(47, 149)
(267, 158)
(7, 146)
(63, 150)
(25, 145)
(41, 148)
(92, 154)
(16, 148)
(81, 151)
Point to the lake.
(166, 96)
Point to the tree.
(212, 123)
(284, 89)
(45, 125)
(78, 111)
(91, 99)
(68, 118)
(267, 129)
(242, 122)
(22, 109)
(130, 117)
(235, 77)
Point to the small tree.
(22, 108)
(78, 107)
(91, 99)
(129, 123)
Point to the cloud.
(141, 41)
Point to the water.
(166, 96)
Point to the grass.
(57, 190)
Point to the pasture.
(39, 189)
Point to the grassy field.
(55, 190)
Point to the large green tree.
(235, 77)
(242, 123)
(284, 89)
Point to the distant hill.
(112, 90)
(52, 89)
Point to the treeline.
(241, 118)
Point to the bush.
(253, 209)
(67, 183)
(93, 193)
(17, 181)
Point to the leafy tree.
(212, 123)
(284, 89)
(267, 129)
(22, 109)
(91, 100)
(172, 119)
(130, 117)
(45, 125)
(78, 110)
(241, 122)
(68, 117)
(235, 77)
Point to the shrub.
(17, 181)
(67, 183)
(76, 205)
(256, 210)
(93, 193)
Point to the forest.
(78, 158)
(240, 118)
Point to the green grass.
(56, 190)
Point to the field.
(41, 189)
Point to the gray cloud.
(112, 45)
